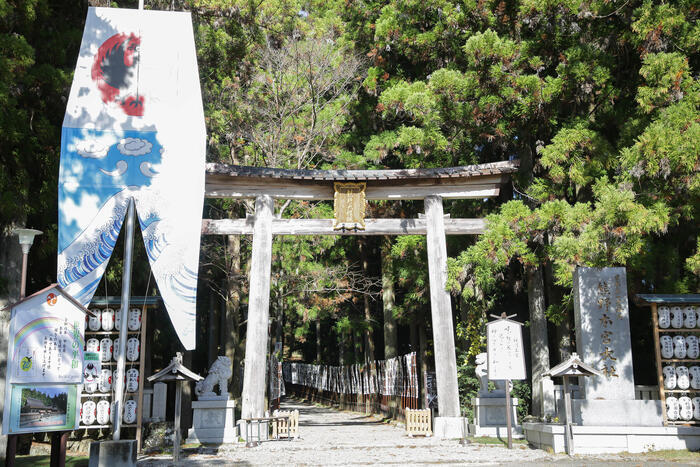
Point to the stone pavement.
(331, 437)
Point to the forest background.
(599, 100)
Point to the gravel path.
(331, 437)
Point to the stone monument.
(603, 340)
(607, 418)
(490, 407)
(214, 420)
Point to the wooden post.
(142, 378)
(11, 450)
(567, 413)
(176, 426)
(59, 439)
(657, 353)
(253, 397)
(509, 409)
(441, 310)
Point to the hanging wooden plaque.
(349, 206)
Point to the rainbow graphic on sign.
(47, 324)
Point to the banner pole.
(123, 330)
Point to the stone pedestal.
(490, 417)
(548, 396)
(213, 422)
(592, 440)
(113, 453)
(635, 413)
(450, 427)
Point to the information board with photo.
(45, 363)
(36, 408)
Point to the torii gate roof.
(469, 181)
(464, 171)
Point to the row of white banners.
(392, 377)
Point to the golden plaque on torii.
(349, 206)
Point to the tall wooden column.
(441, 310)
(253, 397)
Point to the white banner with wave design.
(134, 128)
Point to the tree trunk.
(11, 275)
(422, 360)
(318, 340)
(212, 325)
(413, 329)
(539, 346)
(390, 342)
(563, 328)
(369, 342)
(341, 349)
(279, 333)
(463, 341)
(357, 338)
(232, 344)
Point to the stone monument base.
(113, 453)
(490, 417)
(450, 427)
(491, 411)
(612, 439)
(614, 412)
(213, 422)
(500, 432)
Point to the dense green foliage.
(598, 100)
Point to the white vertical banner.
(134, 128)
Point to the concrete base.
(612, 439)
(113, 453)
(213, 422)
(615, 412)
(450, 427)
(495, 431)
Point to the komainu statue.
(219, 373)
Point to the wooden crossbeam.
(220, 187)
(325, 227)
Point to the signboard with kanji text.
(45, 363)
(506, 359)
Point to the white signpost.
(506, 359)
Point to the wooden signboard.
(506, 359)
(45, 363)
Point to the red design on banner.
(114, 71)
(51, 299)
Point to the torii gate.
(430, 185)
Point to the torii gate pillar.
(253, 397)
(449, 424)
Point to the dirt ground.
(331, 437)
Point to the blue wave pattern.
(184, 284)
(92, 256)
